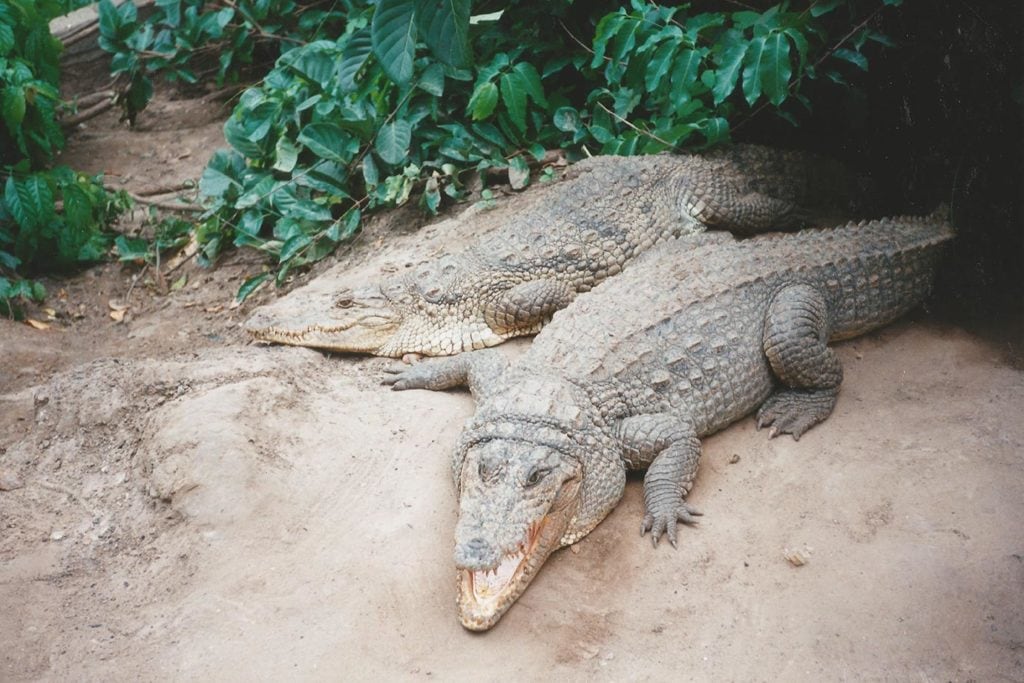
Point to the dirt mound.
(270, 511)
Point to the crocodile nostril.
(475, 554)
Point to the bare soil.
(179, 504)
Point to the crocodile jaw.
(485, 594)
(369, 332)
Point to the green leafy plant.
(49, 218)
(29, 81)
(194, 40)
(414, 94)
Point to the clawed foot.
(665, 522)
(794, 411)
(419, 376)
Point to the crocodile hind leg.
(796, 334)
(523, 308)
(719, 204)
(669, 448)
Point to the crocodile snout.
(476, 554)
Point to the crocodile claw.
(401, 378)
(795, 411)
(665, 523)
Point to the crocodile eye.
(536, 474)
(343, 301)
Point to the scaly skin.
(632, 375)
(565, 241)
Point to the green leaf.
(431, 195)
(30, 201)
(12, 106)
(606, 29)
(9, 261)
(855, 58)
(393, 141)
(566, 119)
(752, 70)
(513, 96)
(294, 245)
(393, 34)
(6, 38)
(684, 76)
(530, 80)
(220, 175)
(776, 69)
(249, 286)
(483, 101)
(286, 154)
(444, 25)
(110, 20)
(131, 248)
(518, 172)
(659, 64)
(324, 139)
(353, 57)
(824, 7)
(800, 43)
(371, 176)
(432, 80)
(728, 71)
(714, 129)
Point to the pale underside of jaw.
(487, 593)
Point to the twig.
(167, 206)
(163, 189)
(180, 263)
(638, 130)
(94, 98)
(80, 33)
(90, 113)
(135, 281)
(75, 30)
(580, 42)
(259, 29)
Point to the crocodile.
(633, 375)
(565, 241)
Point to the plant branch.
(638, 130)
(828, 53)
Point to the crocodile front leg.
(479, 371)
(796, 336)
(669, 448)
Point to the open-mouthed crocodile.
(632, 375)
(564, 241)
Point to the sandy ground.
(178, 504)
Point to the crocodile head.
(398, 318)
(518, 503)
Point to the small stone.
(9, 481)
(735, 458)
(56, 535)
(797, 558)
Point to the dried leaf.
(36, 324)
(179, 283)
(118, 315)
(117, 305)
(51, 314)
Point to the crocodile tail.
(941, 213)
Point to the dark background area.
(938, 118)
